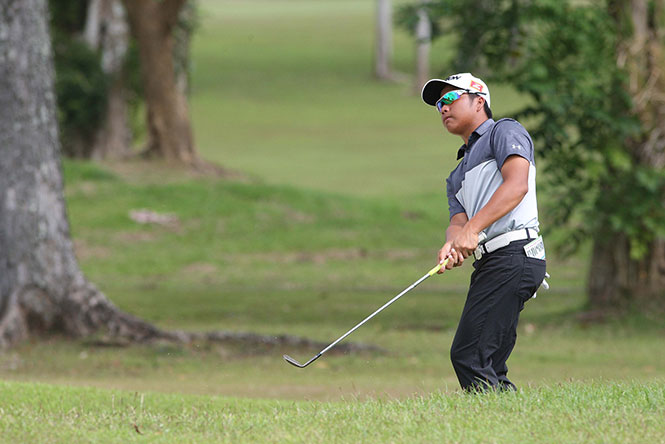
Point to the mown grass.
(284, 90)
(598, 412)
(343, 208)
(231, 262)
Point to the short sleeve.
(452, 187)
(509, 138)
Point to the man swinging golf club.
(491, 197)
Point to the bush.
(82, 91)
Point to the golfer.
(494, 220)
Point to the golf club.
(292, 361)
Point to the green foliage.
(406, 16)
(81, 88)
(562, 54)
(67, 16)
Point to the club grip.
(437, 267)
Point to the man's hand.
(457, 222)
(466, 242)
(454, 258)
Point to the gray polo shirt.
(471, 185)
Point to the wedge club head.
(295, 363)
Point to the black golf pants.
(500, 285)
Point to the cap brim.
(431, 92)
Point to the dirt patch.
(129, 237)
(153, 171)
(322, 257)
(285, 212)
(201, 269)
(85, 251)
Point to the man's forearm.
(452, 231)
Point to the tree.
(41, 285)
(420, 20)
(423, 46)
(106, 31)
(42, 289)
(383, 45)
(152, 24)
(639, 275)
(594, 74)
(82, 86)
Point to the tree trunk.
(423, 45)
(616, 280)
(106, 31)
(618, 283)
(182, 52)
(41, 285)
(384, 44)
(170, 134)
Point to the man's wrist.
(472, 226)
(452, 232)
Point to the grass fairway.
(599, 412)
(284, 90)
(344, 207)
(275, 260)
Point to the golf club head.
(295, 363)
(292, 361)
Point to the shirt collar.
(475, 135)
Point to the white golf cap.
(432, 90)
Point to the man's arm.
(515, 173)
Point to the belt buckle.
(477, 253)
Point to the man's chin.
(450, 126)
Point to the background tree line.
(113, 60)
(42, 288)
(593, 72)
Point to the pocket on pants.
(532, 276)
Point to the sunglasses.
(450, 97)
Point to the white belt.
(503, 240)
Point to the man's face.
(457, 116)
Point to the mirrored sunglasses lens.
(450, 97)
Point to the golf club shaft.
(411, 287)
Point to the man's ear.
(481, 104)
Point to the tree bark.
(383, 45)
(106, 30)
(423, 45)
(616, 280)
(182, 51)
(170, 134)
(41, 285)
(618, 283)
